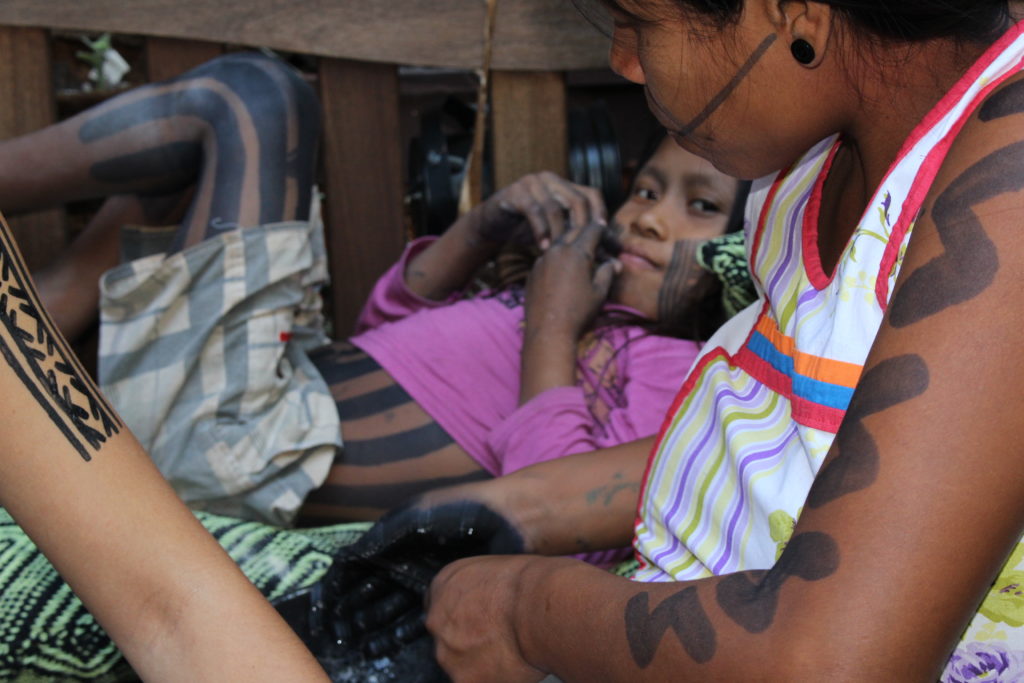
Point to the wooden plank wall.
(26, 104)
(530, 124)
(532, 35)
(170, 57)
(364, 188)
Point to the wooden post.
(26, 104)
(170, 57)
(530, 125)
(363, 185)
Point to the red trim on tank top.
(809, 229)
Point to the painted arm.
(78, 482)
(564, 292)
(374, 595)
(913, 513)
(532, 210)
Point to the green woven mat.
(46, 635)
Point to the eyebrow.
(655, 172)
(700, 180)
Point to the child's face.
(678, 200)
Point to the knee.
(274, 93)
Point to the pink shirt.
(460, 361)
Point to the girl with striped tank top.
(836, 491)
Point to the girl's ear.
(805, 26)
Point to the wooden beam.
(528, 111)
(529, 34)
(363, 185)
(27, 104)
(170, 57)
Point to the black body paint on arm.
(751, 598)
(34, 350)
(682, 613)
(970, 261)
(855, 466)
(1007, 101)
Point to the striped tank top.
(754, 420)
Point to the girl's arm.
(576, 504)
(910, 518)
(647, 370)
(564, 292)
(80, 485)
(533, 210)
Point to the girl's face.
(734, 95)
(678, 201)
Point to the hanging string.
(472, 183)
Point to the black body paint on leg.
(278, 105)
(751, 598)
(855, 466)
(199, 102)
(173, 166)
(682, 613)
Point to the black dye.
(856, 463)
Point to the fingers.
(554, 205)
(411, 626)
(585, 237)
(604, 276)
(546, 213)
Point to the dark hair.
(899, 20)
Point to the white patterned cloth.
(204, 355)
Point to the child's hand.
(566, 287)
(538, 209)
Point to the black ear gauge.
(803, 52)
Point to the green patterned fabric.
(626, 568)
(726, 257)
(46, 635)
